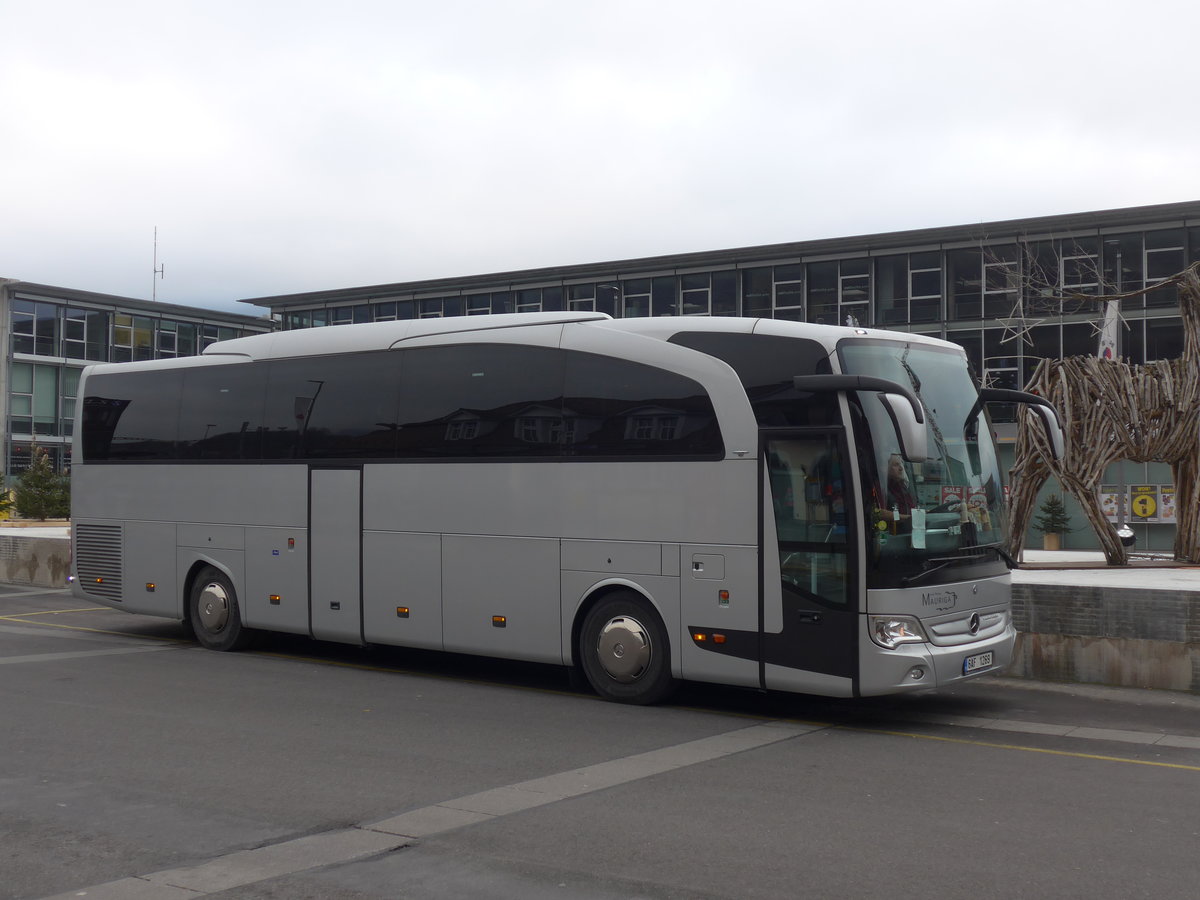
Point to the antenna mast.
(158, 269)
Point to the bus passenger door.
(335, 554)
(809, 636)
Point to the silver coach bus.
(744, 501)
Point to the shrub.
(41, 494)
(1053, 518)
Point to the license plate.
(977, 662)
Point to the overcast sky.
(283, 146)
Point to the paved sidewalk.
(1088, 568)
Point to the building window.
(70, 389)
(823, 293)
(168, 339)
(789, 292)
(637, 297)
(695, 291)
(75, 327)
(132, 337)
(965, 277)
(211, 334)
(854, 292)
(608, 299)
(724, 293)
(1164, 338)
(479, 304)
(1079, 273)
(971, 340)
(1042, 342)
(1001, 369)
(33, 399)
(664, 300)
(925, 287)
(440, 307)
(581, 297)
(891, 290)
(1001, 280)
(295, 320)
(529, 300)
(756, 292)
(1165, 256)
(35, 327)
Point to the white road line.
(346, 845)
(488, 805)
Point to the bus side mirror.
(1045, 410)
(914, 438)
(902, 405)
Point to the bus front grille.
(99, 559)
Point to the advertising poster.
(977, 510)
(1108, 501)
(1166, 506)
(1143, 503)
(951, 493)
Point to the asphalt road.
(135, 765)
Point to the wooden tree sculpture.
(1113, 410)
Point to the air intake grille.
(99, 560)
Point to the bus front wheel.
(623, 650)
(214, 613)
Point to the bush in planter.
(40, 494)
(1052, 519)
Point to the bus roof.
(382, 335)
(387, 335)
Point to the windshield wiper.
(936, 564)
(998, 546)
(927, 570)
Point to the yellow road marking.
(58, 612)
(1071, 753)
(18, 618)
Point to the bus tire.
(214, 613)
(624, 652)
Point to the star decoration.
(1018, 326)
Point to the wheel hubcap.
(624, 649)
(213, 607)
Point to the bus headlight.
(892, 631)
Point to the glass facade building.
(989, 287)
(54, 332)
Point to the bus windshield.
(942, 519)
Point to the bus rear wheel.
(214, 613)
(624, 652)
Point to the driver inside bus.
(899, 500)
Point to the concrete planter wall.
(37, 561)
(1116, 636)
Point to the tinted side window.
(326, 407)
(614, 407)
(222, 413)
(133, 416)
(479, 400)
(766, 365)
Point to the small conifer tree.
(1053, 518)
(41, 494)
